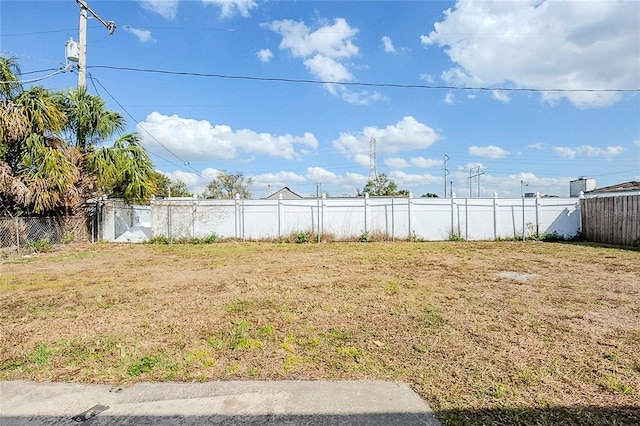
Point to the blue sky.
(291, 92)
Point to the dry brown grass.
(561, 347)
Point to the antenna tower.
(373, 168)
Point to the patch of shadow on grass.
(583, 415)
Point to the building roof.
(287, 194)
(633, 185)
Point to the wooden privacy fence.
(612, 220)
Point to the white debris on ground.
(517, 276)
(135, 234)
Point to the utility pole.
(82, 43)
(471, 176)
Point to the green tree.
(88, 119)
(383, 186)
(429, 195)
(41, 171)
(123, 170)
(10, 86)
(166, 187)
(38, 173)
(226, 186)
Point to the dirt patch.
(479, 346)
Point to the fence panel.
(122, 222)
(348, 218)
(23, 234)
(432, 219)
(612, 220)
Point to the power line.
(362, 84)
(184, 162)
(33, 80)
(41, 32)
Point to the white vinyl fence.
(344, 218)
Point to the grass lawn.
(488, 333)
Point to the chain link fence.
(19, 235)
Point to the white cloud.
(327, 69)
(500, 95)
(396, 163)
(229, 8)
(543, 45)
(324, 52)
(200, 140)
(388, 44)
(406, 135)
(450, 99)
(197, 183)
(362, 97)
(637, 142)
(349, 181)
(168, 9)
(425, 163)
(334, 41)
(537, 145)
(427, 77)
(142, 35)
(565, 152)
(319, 174)
(490, 151)
(165, 8)
(418, 162)
(408, 180)
(279, 179)
(264, 55)
(588, 151)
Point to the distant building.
(287, 194)
(582, 184)
(626, 188)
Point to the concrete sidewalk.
(214, 403)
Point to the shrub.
(160, 239)
(41, 246)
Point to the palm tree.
(9, 83)
(89, 121)
(123, 170)
(49, 163)
(37, 172)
